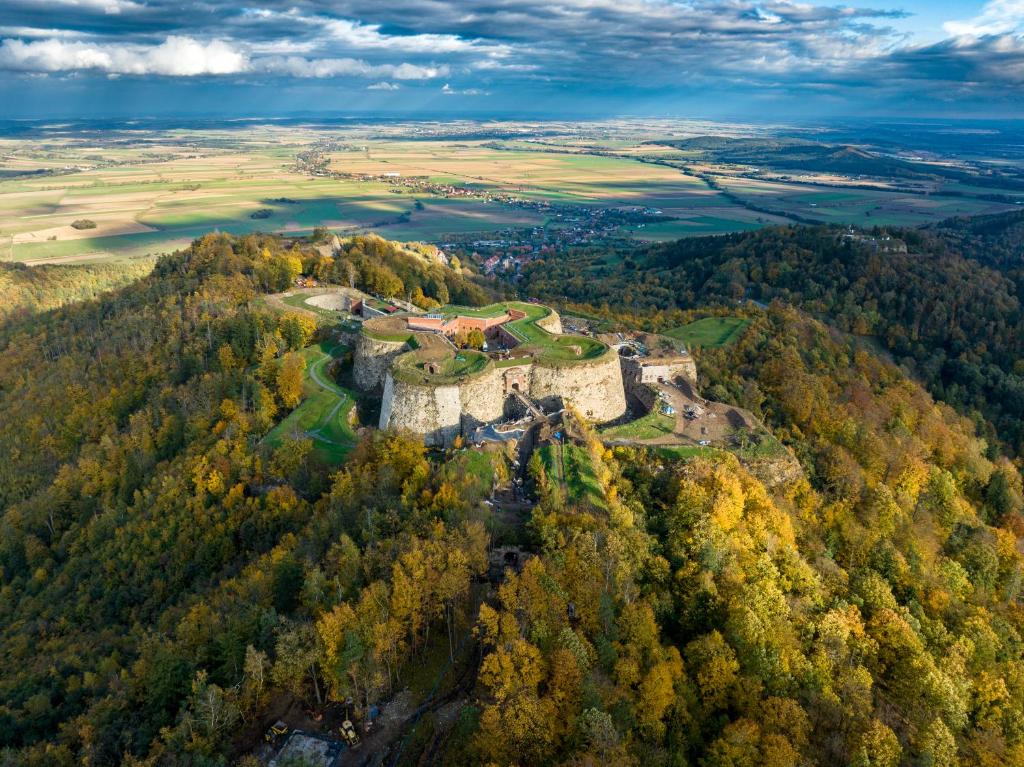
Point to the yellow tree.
(289, 379)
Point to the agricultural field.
(860, 207)
(139, 204)
(710, 332)
(548, 175)
(146, 191)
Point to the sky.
(721, 59)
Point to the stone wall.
(594, 388)
(483, 398)
(372, 359)
(649, 370)
(433, 411)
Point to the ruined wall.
(594, 388)
(372, 359)
(647, 370)
(433, 411)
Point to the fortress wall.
(551, 323)
(647, 370)
(433, 411)
(372, 359)
(595, 388)
(483, 398)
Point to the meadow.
(710, 332)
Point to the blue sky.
(770, 60)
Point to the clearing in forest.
(710, 332)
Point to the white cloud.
(105, 6)
(996, 18)
(448, 90)
(37, 32)
(186, 57)
(383, 87)
(363, 36)
(296, 66)
(176, 56)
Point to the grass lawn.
(546, 347)
(579, 479)
(323, 413)
(684, 451)
(411, 367)
(654, 424)
(710, 332)
(299, 302)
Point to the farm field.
(162, 202)
(552, 175)
(710, 332)
(150, 191)
(860, 207)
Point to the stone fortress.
(433, 388)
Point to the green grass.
(697, 226)
(323, 413)
(299, 302)
(684, 451)
(548, 349)
(710, 332)
(654, 424)
(579, 479)
(411, 367)
(377, 335)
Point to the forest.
(166, 581)
(944, 302)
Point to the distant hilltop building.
(434, 389)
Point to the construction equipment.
(348, 733)
(277, 730)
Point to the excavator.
(276, 731)
(348, 733)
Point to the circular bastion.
(432, 389)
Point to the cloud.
(448, 90)
(176, 56)
(383, 87)
(295, 66)
(555, 49)
(187, 57)
(996, 18)
(112, 7)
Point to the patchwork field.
(147, 191)
(860, 207)
(163, 202)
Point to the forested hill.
(996, 240)
(169, 586)
(949, 307)
(27, 290)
